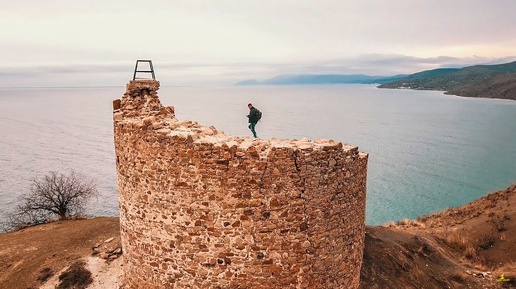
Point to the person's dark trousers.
(251, 127)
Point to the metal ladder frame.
(151, 71)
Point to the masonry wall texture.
(199, 209)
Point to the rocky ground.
(35, 257)
(466, 247)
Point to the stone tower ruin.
(199, 209)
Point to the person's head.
(250, 105)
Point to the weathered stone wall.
(199, 209)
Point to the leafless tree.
(53, 195)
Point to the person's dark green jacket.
(253, 115)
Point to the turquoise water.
(428, 151)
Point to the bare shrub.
(54, 195)
(404, 222)
(76, 277)
(486, 241)
(499, 222)
(45, 274)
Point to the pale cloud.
(227, 73)
(224, 41)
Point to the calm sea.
(428, 151)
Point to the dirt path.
(106, 275)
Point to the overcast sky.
(97, 42)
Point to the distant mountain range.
(322, 79)
(488, 81)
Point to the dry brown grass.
(470, 253)
(390, 224)
(454, 239)
(404, 222)
(469, 249)
(508, 268)
(417, 223)
(460, 276)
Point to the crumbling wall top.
(140, 107)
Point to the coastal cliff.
(487, 81)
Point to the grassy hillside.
(466, 247)
(490, 81)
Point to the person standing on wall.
(254, 116)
